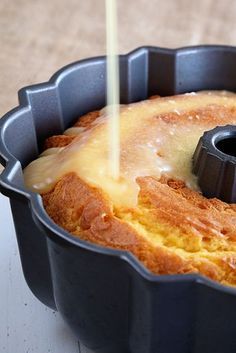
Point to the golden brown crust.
(64, 140)
(58, 141)
(211, 115)
(86, 212)
(172, 229)
(87, 119)
(180, 206)
(154, 96)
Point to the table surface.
(26, 325)
(37, 38)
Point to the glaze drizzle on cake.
(158, 136)
(155, 211)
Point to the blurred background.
(37, 37)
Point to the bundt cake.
(155, 210)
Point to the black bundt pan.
(111, 302)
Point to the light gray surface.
(26, 325)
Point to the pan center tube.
(227, 145)
(214, 163)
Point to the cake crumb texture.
(172, 229)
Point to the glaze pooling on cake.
(159, 215)
(157, 136)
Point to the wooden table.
(37, 37)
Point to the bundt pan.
(111, 302)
